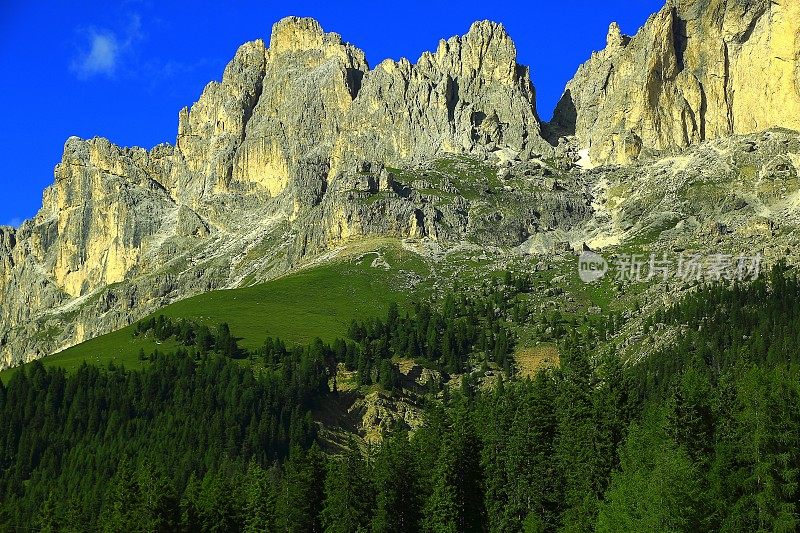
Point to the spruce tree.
(349, 494)
(397, 507)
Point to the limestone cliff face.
(301, 148)
(309, 107)
(211, 132)
(470, 96)
(263, 172)
(8, 240)
(275, 110)
(697, 70)
(105, 204)
(98, 222)
(309, 85)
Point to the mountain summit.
(697, 70)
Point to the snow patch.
(585, 161)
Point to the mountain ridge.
(301, 148)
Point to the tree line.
(453, 336)
(703, 435)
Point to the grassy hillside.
(322, 300)
(319, 301)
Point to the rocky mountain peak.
(486, 49)
(297, 33)
(469, 96)
(697, 70)
(615, 38)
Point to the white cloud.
(105, 49)
(101, 57)
(14, 222)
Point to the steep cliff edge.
(470, 96)
(697, 70)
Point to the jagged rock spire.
(695, 71)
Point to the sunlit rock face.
(697, 70)
(301, 147)
(469, 96)
(280, 141)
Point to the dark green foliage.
(119, 448)
(301, 493)
(657, 488)
(445, 337)
(456, 501)
(190, 333)
(349, 494)
(703, 435)
(397, 503)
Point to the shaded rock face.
(697, 70)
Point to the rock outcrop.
(105, 203)
(697, 70)
(308, 107)
(470, 96)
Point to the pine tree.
(300, 498)
(396, 496)
(456, 502)
(576, 440)
(657, 487)
(122, 500)
(47, 521)
(691, 420)
(259, 505)
(219, 503)
(431, 341)
(157, 507)
(349, 494)
(767, 461)
(442, 512)
(533, 484)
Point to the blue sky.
(124, 72)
